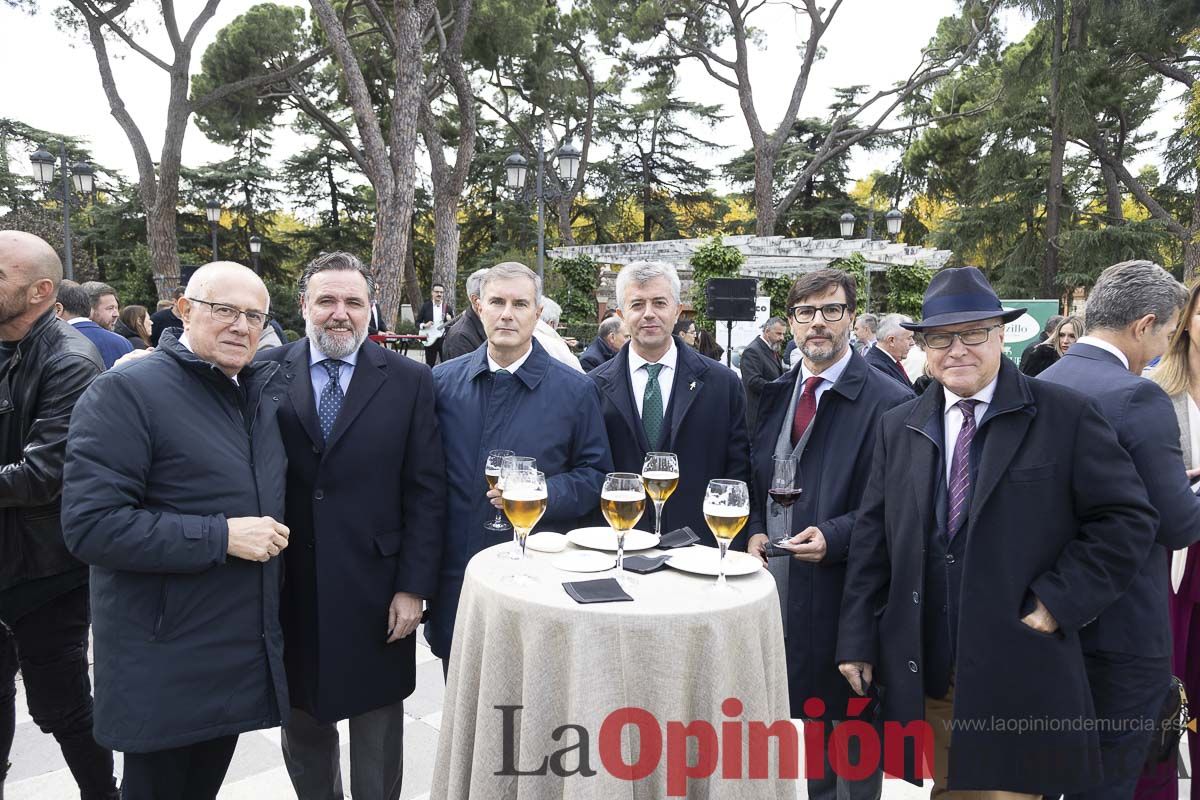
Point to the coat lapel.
(618, 389)
(300, 391)
(926, 454)
(689, 383)
(369, 373)
(1008, 418)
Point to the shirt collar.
(832, 373)
(636, 362)
(77, 320)
(183, 341)
(513, 367)
(315, 356)
(1105, 346)
(984, 395)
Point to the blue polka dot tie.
(331, 397)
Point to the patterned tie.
(806, 408)
(331, 397)
(960, 468)
(652, 406)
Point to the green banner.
(1024, 330)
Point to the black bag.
(1173, 721)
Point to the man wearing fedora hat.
(1001, 517)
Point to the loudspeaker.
(730, 298)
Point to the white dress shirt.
(639, 377)
(952, 420)
(320, 375)
(514, 366)
(1105, 346)
(830, 375)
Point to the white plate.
(704, 560)
(583, 561)
(546, 542)
(606, 539)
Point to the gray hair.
(512, 269)
(551, 312)
(891, 324)
(475, 282)
(870, 322)
(609, 326)
(774, 321)
(1130, 290)
(337, 260)
(96, 290)
(642, 272)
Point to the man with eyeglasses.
(822, 415)
(1001, 517)
(173, 492)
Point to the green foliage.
(906, 284)
(856, 265)
(713, 259)
(777, 289)
(577, 295)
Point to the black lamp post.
(213, 212)
(517, 169)
(81, 174)
(846, 223)
(255, 248)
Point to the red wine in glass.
(785, 496)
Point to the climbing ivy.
(712, 260)
(577, 293)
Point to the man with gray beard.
(366, 504)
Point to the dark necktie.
(903, 371)
(652, 406)
(806, 408)
(331, 397)
(960, 469)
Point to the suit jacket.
(596, 354)
(111, 345)
(464, 336)
(1057, 511)
(760, 365)
(833, 472)
(160, 321)
(367, 514)
(703, 424)
(1144, 419)
(882, 361)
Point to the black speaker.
(730, 299)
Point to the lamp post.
(255, 248)
(516, 169)
(213, 211)
(846, 223)
(81, 174)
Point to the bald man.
(173, 493)
(45, 365)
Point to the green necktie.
(652, 406)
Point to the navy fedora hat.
(960, 294)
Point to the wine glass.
(491, 471)
(660, 473)
(524, 504)
(726, 509)
(511, 465)
(622, 502)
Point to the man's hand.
(807, 545)
(404, 614)
(1040, 619)
(858, 674)
(256, 538)
(495, 497)
(1193, 474)
(133, 355)
(758, 546)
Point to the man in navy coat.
(823, 414)
(660, 395)
(1131, 314)
(510, 395)
(366, 505)
(1002, 516)
(891, 348)
(76, 307)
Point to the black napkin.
(645, 564)
(604, 590)
(680, 537)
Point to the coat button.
(916, 597)
(316, 450)
(949, 558)
(945, 609)
(318, 494)
(912, 666)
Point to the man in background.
(761, 365)
(76, 308)
(609, 339)
(466, 333)
(105, 307)
(892, 344)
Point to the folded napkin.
(645, 564)
(680, 537)
(604, 590)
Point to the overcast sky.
(871, 42)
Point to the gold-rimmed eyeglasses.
(974, 336)
(228, 315)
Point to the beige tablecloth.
(678, 651)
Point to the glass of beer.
(524, 504)
(660, 473)
(726, 509)
(491, 471)
(510, 465)
(622, 502)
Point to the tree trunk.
(764, 195)
(1058, 146)
(446, 239)
(164, 249)
(387, 248)
(1112, 195)
(412, 287)
(1191, 249)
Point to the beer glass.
(726, 509)
(524, 504)
(622, 502)
(491, 471)
(510, 465)
(660, 473)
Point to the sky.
(873, 42)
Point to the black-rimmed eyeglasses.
(228, 315)
(830, 312)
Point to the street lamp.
(255, 248)
(516, 169)
(84, 177)
(846, 221)
(213, 211)
(893, 219)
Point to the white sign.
(1021, 329)
(744, 332)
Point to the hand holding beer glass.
(660, 473)
(726, 509)
(622, 502)
(491, 471)
(524, 504)
(512, 464)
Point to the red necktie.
(902, 369)
(806, 408)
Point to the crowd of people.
(253, 534)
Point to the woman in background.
(134, 325)
(1051, 350)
